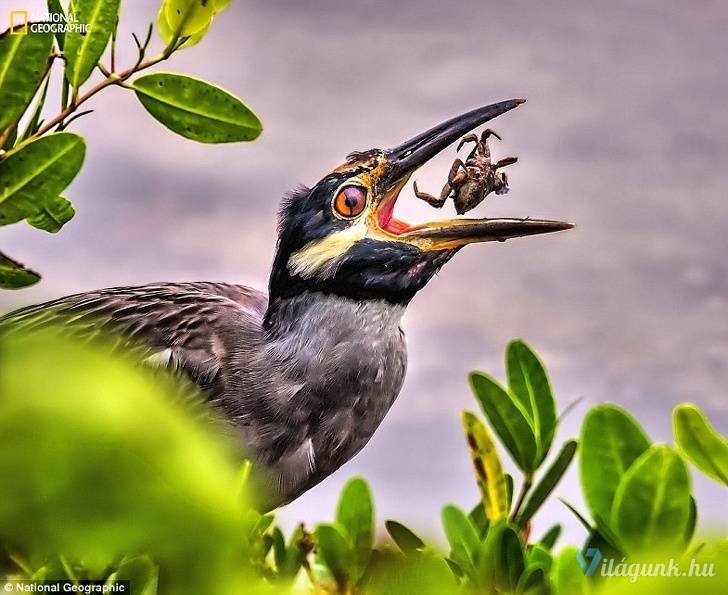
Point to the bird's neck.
(324, 341)
(333, 367)
(314, 319)
(337, 358)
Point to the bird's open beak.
(405, 159)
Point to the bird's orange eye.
(350, 201)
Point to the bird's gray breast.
(342, 365)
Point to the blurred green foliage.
(38, 160)
(100, 461)
(111, 471)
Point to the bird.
(305, 374)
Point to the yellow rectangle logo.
(19, 20)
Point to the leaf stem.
(525, 488)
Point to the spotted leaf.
(488, 468)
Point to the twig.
(64, 125)
(75, 102)
(112, 79)
(141, 48)
(113, 45)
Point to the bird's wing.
(178, 325)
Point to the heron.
(305, 374)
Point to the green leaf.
(68, 569)
(692, 522)
(512, 561)
(479, 519)
(65, 93)
(34, 122)
(10, 138)
(549, 538)
(652, 503)
(36, 173)
(261, 524)
(462, 536)
(606, 545)
(23, 61)
(603, 531)
(405, 539)
(423, 574)
(279, 548)
(500, 559)
(548, 482)
(538, 555)
(40, 574)
(509, 489)
(295, 553)
(187, 17)
(507, 419)
(168, 35)
(567, 576)
(700, 443)
(220, 5)
(140, 571)
(14, 275)
(195, 109)
(355, 514)
(84, 50)
(487, 465)
(577, 514)
(54, 214)
(529, 383)
(533, 582)
(54, 7)
(334, 551)
(611, 440)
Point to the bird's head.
(341, 237)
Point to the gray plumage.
(304, 395)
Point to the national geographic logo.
(22, 23)
(18, 22)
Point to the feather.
(175, 324)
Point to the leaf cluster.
(115, 477)
(39, 158)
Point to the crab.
(470, 182)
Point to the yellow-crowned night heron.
(307, 373)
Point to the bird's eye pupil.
(350, 201)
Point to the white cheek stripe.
(321, 256)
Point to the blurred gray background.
(625, 132)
